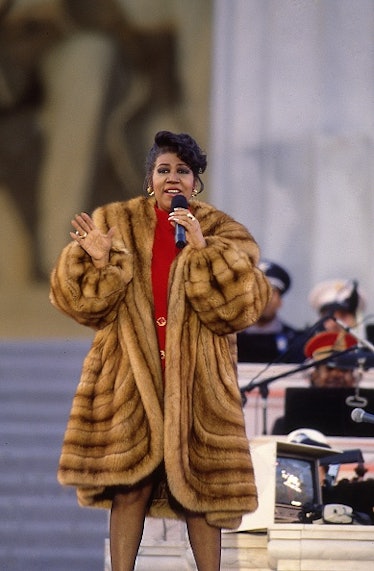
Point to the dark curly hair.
(184, 146)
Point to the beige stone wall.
(95, 88)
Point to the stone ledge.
(297, 547)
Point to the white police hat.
(332, 295)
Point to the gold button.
(162, 354)
(161, 321)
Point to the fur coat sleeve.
(126, 419)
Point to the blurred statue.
(78, 84)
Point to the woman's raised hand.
(91, 239)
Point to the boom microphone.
(179, 201)
(359, 415)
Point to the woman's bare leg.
(126, 525)
(205, 542)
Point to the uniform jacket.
(125, 419)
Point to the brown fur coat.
(124, 420)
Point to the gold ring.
(82, 236)
(191, 216)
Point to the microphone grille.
(179, 201)
(357, 414)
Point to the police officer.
(271, 339)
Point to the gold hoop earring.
(150, 191)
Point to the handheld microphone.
(359, 415)
(179, 201)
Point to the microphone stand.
(263, 386)
(357, 399)
(357, 337)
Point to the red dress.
(163, 253)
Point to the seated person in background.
(270, 338)
(337, 373)
(341, 298)
(345, 301)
